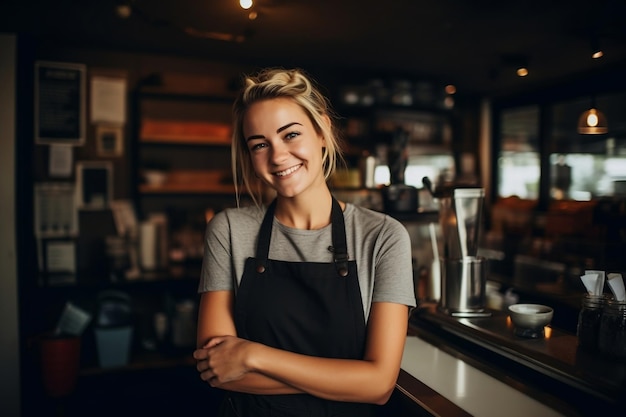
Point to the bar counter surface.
(478, 366)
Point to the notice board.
(60, 103)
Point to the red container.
(60, 360)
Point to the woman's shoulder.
(363, 215)
(237, 217)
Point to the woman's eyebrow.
(280, 129)
(287, 126)
(255, 137)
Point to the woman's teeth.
(288, 171)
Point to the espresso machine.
(463, 273)
(399, 197)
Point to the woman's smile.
(288, 171)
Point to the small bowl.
(530, 316)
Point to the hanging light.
(596, 49)
(592, 122)
(521, 71)
(245, 4)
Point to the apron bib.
(311, 308)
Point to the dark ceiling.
(471, 43)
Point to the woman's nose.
(279, 152)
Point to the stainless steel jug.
(463, 273)
(460, 218)
(463, 286)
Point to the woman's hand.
(223, 359)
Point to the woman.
(304, 304)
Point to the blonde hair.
(274, 83)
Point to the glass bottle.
(612, 334)
(589, 319)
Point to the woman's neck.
(307, 211)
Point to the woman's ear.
(327, 122)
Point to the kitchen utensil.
(73, 321)
(463, 287)
(468, 204)
(434, 289)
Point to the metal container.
(463, 286)
(460, 218)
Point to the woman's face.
(285, 149)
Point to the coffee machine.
(399, 197)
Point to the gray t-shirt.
(379, 243)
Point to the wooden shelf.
(144, 361)
(192, 182)
(184, 132)
(186, 189)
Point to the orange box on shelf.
(185, 131)
(193, 181)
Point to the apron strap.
(339, 247)
(265, 236)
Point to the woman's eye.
(292, 135)
(257, 146)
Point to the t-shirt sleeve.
(394, 266)
(216, 273)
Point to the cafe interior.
(494, 131)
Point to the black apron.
(311, 308)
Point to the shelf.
(192, 182)
(144, 361)
(184, 132)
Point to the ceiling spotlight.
(517, 61)
(597, 54)
(123, 10)
(596, 50)
(245, 4)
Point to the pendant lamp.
(592, 121)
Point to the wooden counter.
(479, 365)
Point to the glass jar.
(589, 321)
(612, 334)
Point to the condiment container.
(612, 334)
(589, 318)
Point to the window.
(519, 167)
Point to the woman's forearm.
(333, 379)
(241, 365)
(255, 383)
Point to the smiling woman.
(304, 301)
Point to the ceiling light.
(517, 61)
(245, 4)
(522, 71)
(450, 89)
(597, 54)
(596, 50)
(123, 10)
(592, 122)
